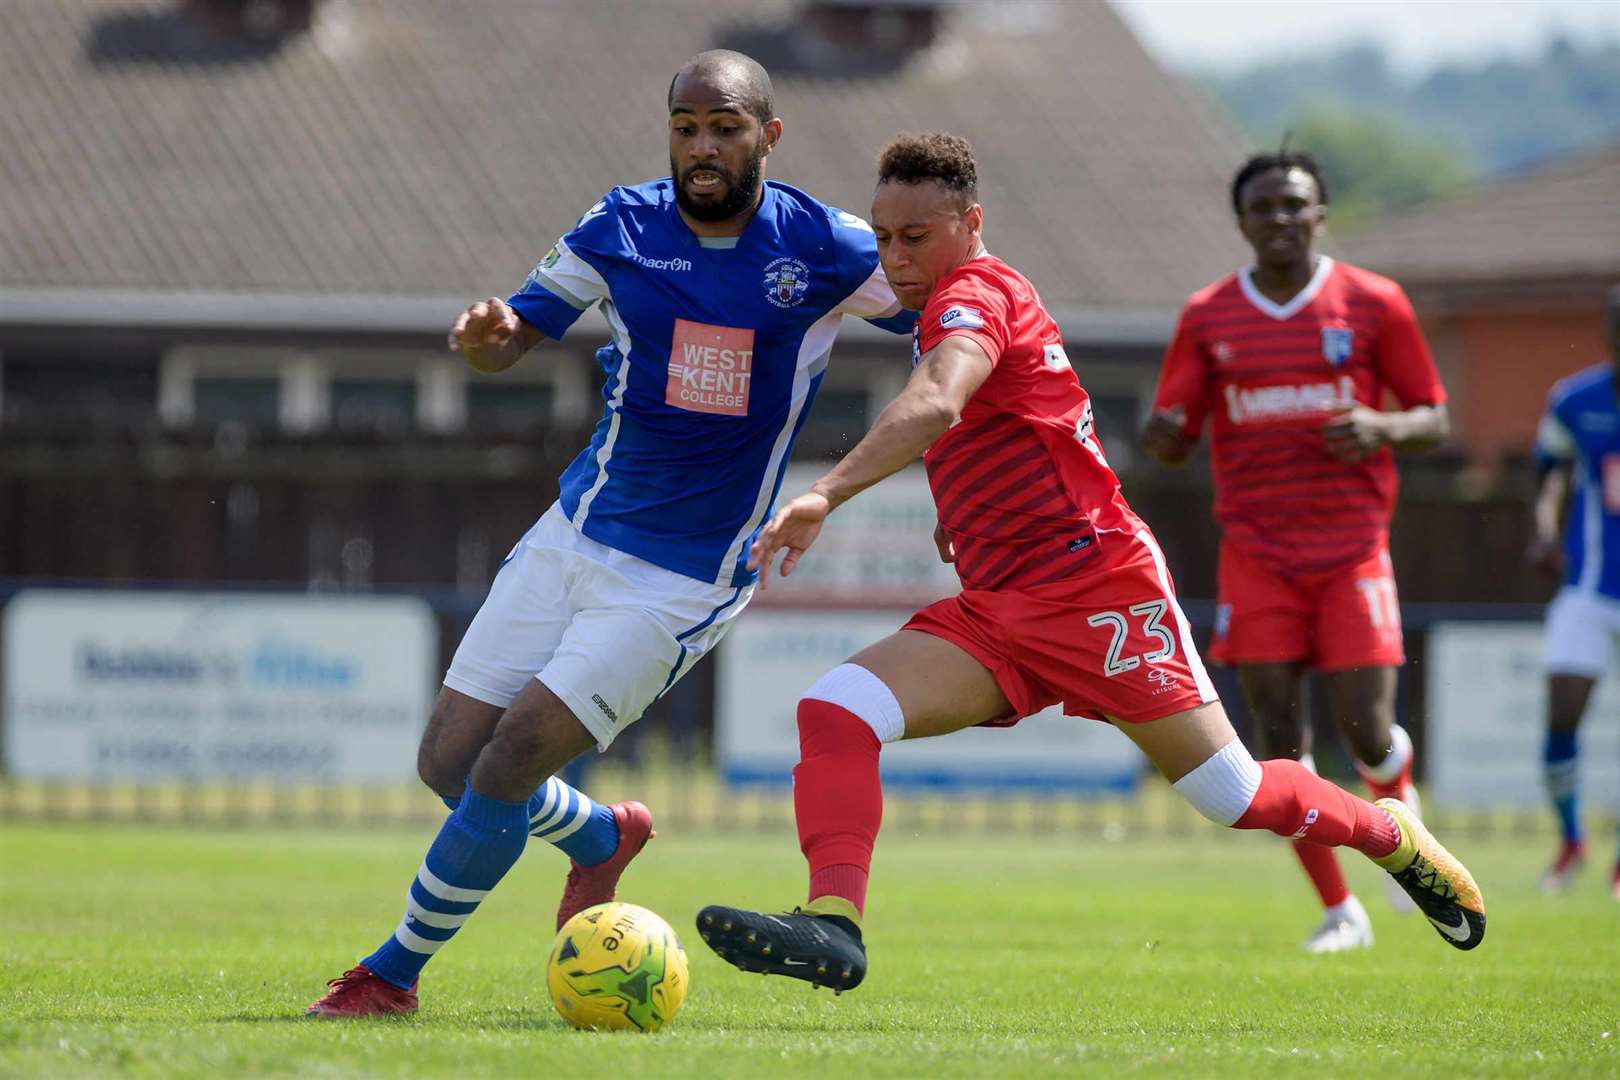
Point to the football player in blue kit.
(724, 293)
(1579, 440)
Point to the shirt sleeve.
(565, 282)
(1184, 377)
(971, 308)
(1555, 443)
(1402, 355)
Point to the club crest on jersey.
(1337, 344)
(546, 263)
(967, 318)
(786, 281)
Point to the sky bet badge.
(1337, 342)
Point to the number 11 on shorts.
(1383, 610)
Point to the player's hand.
(1354, 433)
(1546, 554)
(947, 553)
(486, 324)
(794, 527)
(1165, 435)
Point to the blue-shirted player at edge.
(1579, 440)
(724, 293)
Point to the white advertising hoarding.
(877, 549)
(772, 655)
(1487, 715)
(103, 684)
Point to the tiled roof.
(436, 147)
(1558, 222)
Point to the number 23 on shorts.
(1149, 616)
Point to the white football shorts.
(1582, 630)
(605, 631)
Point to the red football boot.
(591, 885)
(357, 992)
(1570, 861)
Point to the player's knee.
(1280, 733)
(436, 774)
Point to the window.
(383, 405)
(80, 386)
(508, 407)
(216, 398)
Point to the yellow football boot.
(1442, 887)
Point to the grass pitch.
(170, 952)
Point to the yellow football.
(619, 967)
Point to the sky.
(1418, 35)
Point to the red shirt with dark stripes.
(1268, 377)
(1020, 482)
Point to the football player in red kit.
(1065, 597)
(1289, 362)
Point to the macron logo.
(661, 264)
(961, 315)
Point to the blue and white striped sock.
(1561, 762)
(566, 817)
(476, 846)
(569, 819)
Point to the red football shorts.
(1110, 645)
(1346, 618)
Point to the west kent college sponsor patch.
(711, 368)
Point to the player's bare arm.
(945, 379)
(1546, 552)
(491, 336)
(1165, 436)
(1355, 432)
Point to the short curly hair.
(1283, 159)
(912, 159)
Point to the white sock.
(1222, 787)
(856, 690)
(1398, 758)
(1349, 910)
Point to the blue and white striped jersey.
(1581, 428)
(719, 346)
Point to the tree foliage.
(1373, 165)
(1387, 139)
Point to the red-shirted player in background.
(1065, 597)
(1290, 361)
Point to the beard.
(741, 190)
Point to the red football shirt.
(1020, 482)
(1270, 376)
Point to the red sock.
(1394, 789)
(837, 799)
(1322, 867)
(1295, 802)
